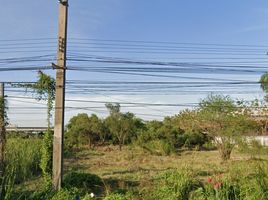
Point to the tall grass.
(24, 157)
(174, 184)
(240, 182)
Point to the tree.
(221, 118)
(98, 129)
(264, 84)
(77, 128)
(121, 125)
(83, 128)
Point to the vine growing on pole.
(44, 89)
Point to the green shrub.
(209, 146)
(87, 197)
(45, 194)
(46, 158)
(115, 197)
(194, 139)
(63, 194)
(159, 147)
(221, 189)
(66, 194)
(236, 185)
(85, 182)
(7, 181)
(173, 185)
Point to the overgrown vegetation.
(44, 89)
(186, 176)
(169, 159)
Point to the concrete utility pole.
(2, 129)
(60, 96)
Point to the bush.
(219, 188)
(195, 139)
(66, 194)
(85, 182)
(43, 194)
(115, 197)
(236, 185)
(159, 147)
(46, 158)
(175, 185)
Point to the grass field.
(134, 162)
(134, 170)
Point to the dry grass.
(133, 167)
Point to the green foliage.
(167, 136)
(46, 158)
(5, 185)
(235, 185)
(8, 181)
(83, 181)
(63, 194)
(159, 147)
(157, 139)
(251, 147)
(3, 112)
(223, 120)
(45, 193)
(77, 129)
(87, 197)
(66, 194)
(71, 193)
(195, 139)
(173, 185)
(150, 132)
(83, 129)
(24, 155)
(44, 89)
(22, 163)
(115, 197)
(121, 125)
(264, 84)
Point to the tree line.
(218, 121)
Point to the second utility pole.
(2, 130)
(2, 135)
(60, 97)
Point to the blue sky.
(240, 21)
(175, 21)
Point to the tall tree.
(221, 118)
(121, 125)
(83, 128)
(264, 84)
